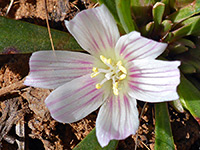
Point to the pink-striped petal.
(50, 69)
(75, 100)
(117, 119)
(153, 80)
(95, 30)
(133, 46)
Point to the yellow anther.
(95, 69)
(109, 61)
(115, 72)
(94, 74)
(123, 69)
(115, 91)
(122, 77)
(103, 59)
(115, 88)
(98, 86)
(119, 63)
(115, 84)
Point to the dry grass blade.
(9, 7)
(48, 27)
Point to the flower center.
(115, 72)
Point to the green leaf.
(188, 27)
(180, 46)
(141, 8)
(169, 6)
(166, 2)
(190, 97)
(158, 11)
(194, 62)
(28, 38)
(182, 3)
(186, 12)
(144, 2)
(191, 58)
(90, 143)
(187, 68)
(124, 13)
(111, 5)
(177, 48)
(163, 134)
(168, 38)
(147, 29)
(186, 42)
(167, 25)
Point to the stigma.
(114, 72)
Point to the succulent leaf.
(190, 97)
(26, 37)
(146, 30)
(124, 13)
(187, 42)
(90, 142)
(111, 5)
(177, 48)
(181, 3)
(187, 68)
(141, 8)
(158, 11)
(188, 27)
(163, 134)
(166, 27)
(184, 13)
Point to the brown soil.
(25, 120)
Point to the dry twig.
(15, 86)
(10, 116)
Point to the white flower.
(118, 71)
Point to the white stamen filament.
(115, 72)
